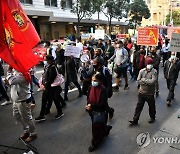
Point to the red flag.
(14, 47)
(28, 31)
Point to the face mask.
(117, 46)
(153, 53)
(94, 83)
(149, 67)
(173, 57)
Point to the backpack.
(108, 76)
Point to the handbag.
(58, 80)
(98, 117)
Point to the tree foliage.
(115, 9)
(82, 9)
(175, 17)
(138, 11)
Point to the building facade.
(159, 9)
(53, 19)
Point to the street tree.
(82, 9)
(175, 18)
(138, 11)
(98, 7)
(115, 9)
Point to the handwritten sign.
(147, 36)
(99, 34)
(72, 51)
(175, 43)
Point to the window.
(26, 1)
(66, 4)
(154, 16)
(50, 3)
(69, 4)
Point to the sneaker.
(168, 103)
(126, 87)
(31, 138)
(132, 122)
(59, 115)
(91, 148)
(151, 120)
(6, 103)
(39, 89)
(40, 118)
(111, 113)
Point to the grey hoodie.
(20, 88)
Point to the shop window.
(50, 3)
(26, 1)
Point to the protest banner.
(175, 43)
(72, 51)
(99, 34)
(147, 36)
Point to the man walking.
(121, 58)
(146, 79)
(171, 71)
(21, 97)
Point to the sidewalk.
(171, 128)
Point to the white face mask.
(149, 67)
(117, 46)
(173, 57)
(94, 83)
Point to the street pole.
(171, 12)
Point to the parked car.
(40, 52)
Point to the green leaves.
(175, 17)
(139, 10)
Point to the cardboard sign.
(99, 34)
(175, 43)
(173, 30)
(147, 36)
(72, 51)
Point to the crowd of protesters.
(104, 62)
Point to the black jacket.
(156, 61)
(49, 76)
(171, 70)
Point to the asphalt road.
(72, 133)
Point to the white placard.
(175, 43)
(72, 51)
(99, 34)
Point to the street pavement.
(72, 133)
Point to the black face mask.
(153, 53)
(95, 66)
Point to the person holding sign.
(71, 76)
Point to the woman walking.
(97, 106)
